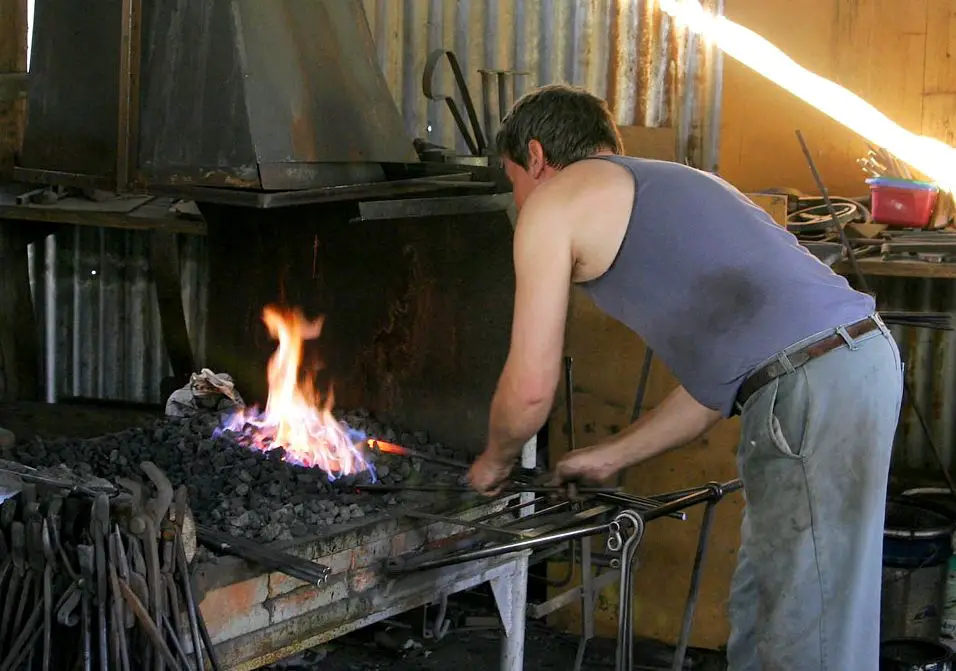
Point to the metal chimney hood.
(261, 95)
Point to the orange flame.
(296, 418)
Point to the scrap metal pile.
(242, 491)
(96, 576)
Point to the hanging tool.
(475, 139)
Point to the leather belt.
(763, 376)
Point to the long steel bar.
(636, 502)
(296, 567)
(454, 489)
(498, 550)
(833, 215)
(520, 505)
(694, 591)
(383, 447)
(713, 491)
(458, 521)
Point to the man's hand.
(488, 474)
(592, 465)
(678, 420)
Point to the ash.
(241, 490)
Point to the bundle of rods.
(98, 580)
(940, 321)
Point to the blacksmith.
(749, 323)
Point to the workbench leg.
(511, 594)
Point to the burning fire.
(933, 158)
(296, 417)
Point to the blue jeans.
(814, 456)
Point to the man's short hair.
(570, 123)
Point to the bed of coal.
(242, 490)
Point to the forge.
(255, 616)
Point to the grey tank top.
(712, 284)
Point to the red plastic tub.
(902, 202)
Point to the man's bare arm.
(678, 420)
(543, 265)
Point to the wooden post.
(19, 346)
(19, 357)
(13, 62)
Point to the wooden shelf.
(137, 213)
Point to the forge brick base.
(252, 616)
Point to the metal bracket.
(440, 624)
(419, 208)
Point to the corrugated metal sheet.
(623, 50)
(98, 314)
(930, 358)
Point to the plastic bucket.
(914, 654)
(916, 552)
(942, 500)
(938, 499)
(902, 202)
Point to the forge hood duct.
(247, 94)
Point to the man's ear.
(537, 161)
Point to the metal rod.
(417, 454)
(512, 508)
(836, 222)
(453, 489)
(694, 592)
(504, 104)
(625, 635)
(572, 487)
(569, 398)
(713, 492)
(395, 566)
(415, 514)
(637, 501)
(296, 567)
(642, 384)
(929, 435)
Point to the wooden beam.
(165, 272)
(142, 213)
(19, 346)
(13, 59)
(13, 86)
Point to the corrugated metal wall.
(623, 50)
(98, 313)
(930, 358)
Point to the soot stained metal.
(279, 95)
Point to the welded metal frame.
(625, 533)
